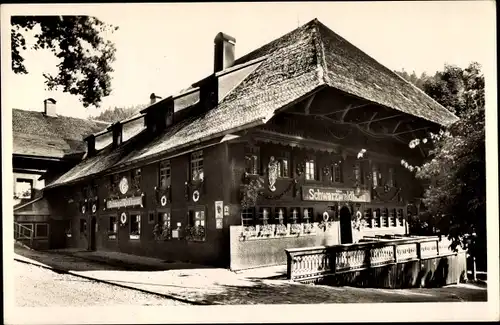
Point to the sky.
(163, 48)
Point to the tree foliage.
(455, 200)
(118, 113)
(85, 56)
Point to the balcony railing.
(23, 233)
(305, 264)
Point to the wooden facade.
(181, 207)
(285, 147)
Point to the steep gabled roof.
(295, 65)
(36, 134)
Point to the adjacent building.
(298, 143)
(45, 146)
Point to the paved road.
(39, 287)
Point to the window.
(197, 218)
(252, 159)
(385, 221)
(23, 189)
(169, 117)
(264, 216)
(295, 215)
(115, 180)
(390, 177)
(375, 175)
(358, 173)
(164, 219)
(392, 218)
(308, 215)
(135, 226)
(247, 217)
(83, 227)
(196, 224)
(165, 173)
(197, 166)
(42, 230)
(337, 172)
(368, 217)
(284, 165)
(280, 215)
(310, 170)
(112, 227)
(137, 177)
(376, 218)
(400, 217)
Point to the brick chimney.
(154, 98)
(90, 145)
(224, 52)
(117, 133)
(49, 106)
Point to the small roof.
(295, 65)
(37, 134)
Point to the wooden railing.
(304, 264)
(23, 233)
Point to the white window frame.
(308, 169)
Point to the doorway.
(92, 239)
(345, 226)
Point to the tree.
(413, 78)
(85, 57)
(118, 113)
(455, 200)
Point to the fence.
(394, 262)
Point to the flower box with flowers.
(266, 230)
(195, 233)
(281, 230)
(135, 235)
(248, 232)
(325, 225)
(308, 228)
(295, 228)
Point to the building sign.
(123, 185)
(126, 202)
(219, 214)
(313, 193)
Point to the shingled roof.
(295, 65)
(37, 134)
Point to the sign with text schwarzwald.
(314, 193)
(126, 202)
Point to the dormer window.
(169, 116)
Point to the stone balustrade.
(304, 264)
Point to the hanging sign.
(83, 209)
(196, 196)
(163, 200)
(312, 193)
(326, 216)
(123, 185)
(226, 211)
(94, 208)
(123, 218)
(121, 203)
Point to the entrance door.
(345, 226)
(93, 226)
